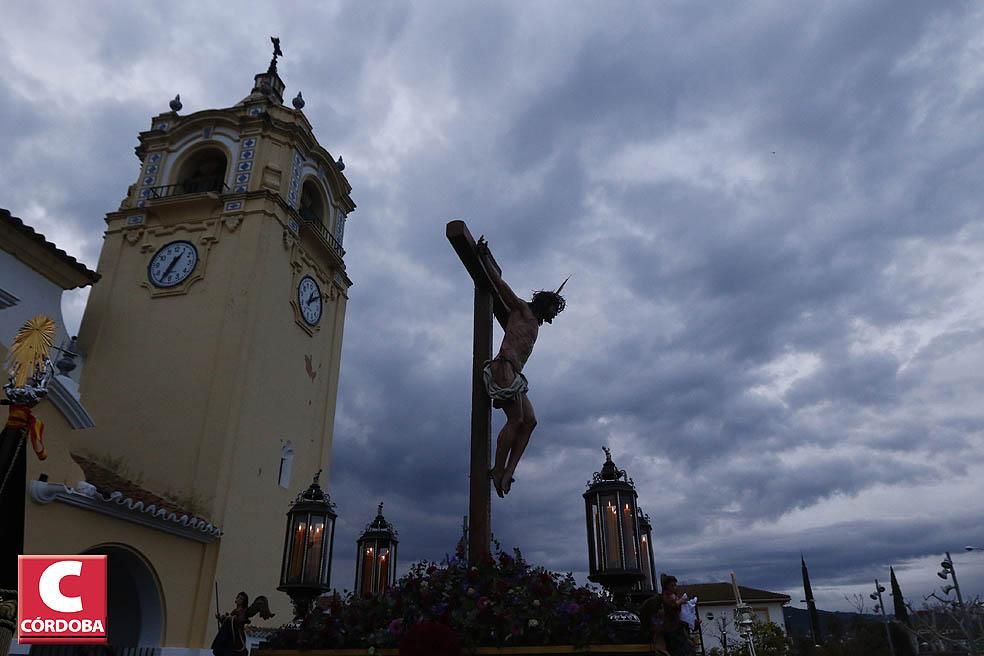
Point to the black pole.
(13, 484)
(811, 604)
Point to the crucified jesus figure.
(504, 379)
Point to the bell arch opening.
(313, 206)
(204, 170)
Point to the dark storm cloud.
(769, 214)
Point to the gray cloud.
(770, 214)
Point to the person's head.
(668, 582)
(242, 600)
(547, 305)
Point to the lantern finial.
(380, 510)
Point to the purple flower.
(396, 626)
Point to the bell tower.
(211, 347)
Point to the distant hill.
(831, 622)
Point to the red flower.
(430, 639)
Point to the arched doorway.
(136, 606)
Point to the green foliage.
(503, 601)
(769, 639)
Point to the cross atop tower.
(277, 52)
(269, 83)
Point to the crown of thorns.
(561, 303)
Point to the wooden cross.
(488, 303)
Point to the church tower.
(211, 346)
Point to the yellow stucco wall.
(178, 563)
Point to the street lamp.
(305, 570)
(614, 548)
(880, 607)
(375, 561)
(947, 571)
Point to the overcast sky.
(771, 211)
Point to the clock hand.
(170, 266)
(312, 299)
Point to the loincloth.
(502, 395)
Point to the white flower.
(533, 624)
(471, 592)
(536, 603)
(424, 585)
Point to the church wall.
(37, 295)
(57, 528)
(288, 391)
(60, 440)
(197, 392)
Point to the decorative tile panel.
(340, 228)
(247, 151)
(149, 178)
(293, 225)
(233, 205)
(135, 219)
(293, 194)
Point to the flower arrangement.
(501, 601)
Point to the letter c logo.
(49, 586)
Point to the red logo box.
(61, 599)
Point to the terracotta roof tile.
(107, 482)
(720, 593)
(6, 216)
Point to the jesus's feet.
(497, 482)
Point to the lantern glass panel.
(630, 535)
(597, 553)
(298, 536)
(384, 564)
(368, 564)
(329, 545)
(612, 540)
(315, 547)
(647, 567)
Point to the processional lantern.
(305, 572)
(648, 564)
(614, 549)
(375, 563)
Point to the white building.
(716, 608)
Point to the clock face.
(309, 300)
(172, 264)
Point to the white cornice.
(63, 392)
(116, 505)
(7, 299)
